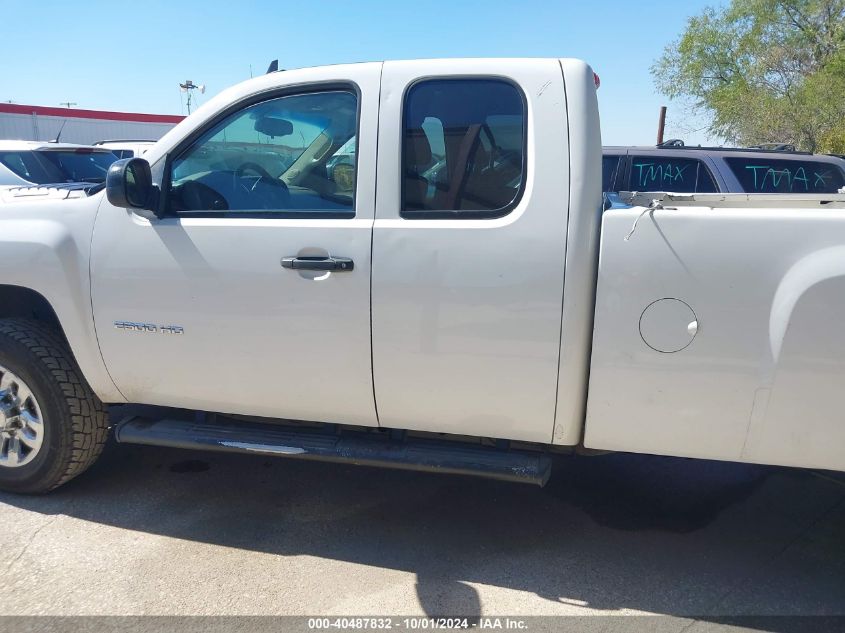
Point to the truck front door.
(252, 294)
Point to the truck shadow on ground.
(615, 532)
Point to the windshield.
(43, 167)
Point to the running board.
(352, 447)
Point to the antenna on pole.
(189, 87)
(68, 103)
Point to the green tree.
(763, 71)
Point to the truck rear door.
(469, 246)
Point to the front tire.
(52, 426)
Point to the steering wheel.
(263, 176)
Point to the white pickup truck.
(442, 293)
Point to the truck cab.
(380, 245)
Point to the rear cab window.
(670, 173)
(763, 175)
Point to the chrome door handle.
(337, 264)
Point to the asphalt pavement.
(165, 531)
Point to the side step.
(354, 447)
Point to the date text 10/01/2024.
(417, 623)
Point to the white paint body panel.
(761, 381)
(582, 241)
(466, 313)
(44, 246)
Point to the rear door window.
(762, 175)
(463, 149)
(678, 175)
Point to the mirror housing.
(129, 184)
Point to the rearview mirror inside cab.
(273, 127)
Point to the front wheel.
(52, 426)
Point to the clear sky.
(131, 55)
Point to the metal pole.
(661, 125)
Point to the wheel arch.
(28, 303)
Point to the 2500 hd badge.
(149, 327)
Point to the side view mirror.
(129, 184)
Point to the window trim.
(163, 210)
(456, 214)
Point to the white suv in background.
(28, 163)
(128, 148)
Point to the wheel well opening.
(25, 303)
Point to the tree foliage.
(764, 71)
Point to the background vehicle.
(126, 148)
(462, 307)
(687, 169)
(27, 163)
